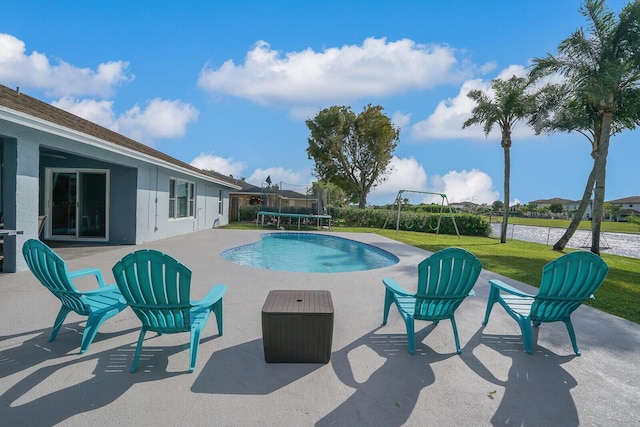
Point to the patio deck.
(370, 380)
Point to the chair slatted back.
(566, 283)
(444, 281)
(52, 272)
(157, 288)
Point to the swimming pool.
(309, 253)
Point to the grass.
(523, 261)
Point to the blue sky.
(227, 85)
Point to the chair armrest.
(212, 296)
(509, 289)
(103, 290)
(86, 272)
(394, 287)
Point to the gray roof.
(18, 101)
(633, 200)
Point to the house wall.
(20, 204)
(139, 191)
(122, 185)
(153, 205)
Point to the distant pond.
(611, 243)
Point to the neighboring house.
(267, 197)
(629, 206)
(470, 207)
(569, 207)
(93, 184)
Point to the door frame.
(48, 203)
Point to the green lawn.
(523, 261)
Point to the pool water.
(310, 253)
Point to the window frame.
(175, 202)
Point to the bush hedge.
(420, 221)
(468, 224)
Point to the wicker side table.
(297, 326)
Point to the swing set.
(421, 226)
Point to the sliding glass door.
(77, 204)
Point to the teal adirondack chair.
(566, 283)
(157, 288)
(99, 304)
(445, 279)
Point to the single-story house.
(269, 198)
(92, 184)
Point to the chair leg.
(572, 335)
(134, 365)
(527, 334)
(455, 335)
(193, 349)
(408, 321)
(494, 294)
(90, 331)
(62, 314)
(217, 310)
(388, 300)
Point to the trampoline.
(317, 218)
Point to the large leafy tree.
(602, 70)
(352, 151)
(510, 103)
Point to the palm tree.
(559, 111)
(603, 71)
(509, 104)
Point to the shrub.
(413, 220)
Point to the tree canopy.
(352, 151)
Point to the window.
(181, 198)
(220, 206)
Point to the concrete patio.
(370, 380)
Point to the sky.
(228, 85)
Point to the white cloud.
(100, 112)
(406, 174)
(459, 186)
(159, 119)
(61, 79)
(290, 180)
(303, 113)
(401, 120)
(466, 186)
(512, 70)
(449, 115)
(375, 68)
(219, 164)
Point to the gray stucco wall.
(138, 197)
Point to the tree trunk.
(362, 200)
(601, 176)
(507, 173)
(577, 218)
